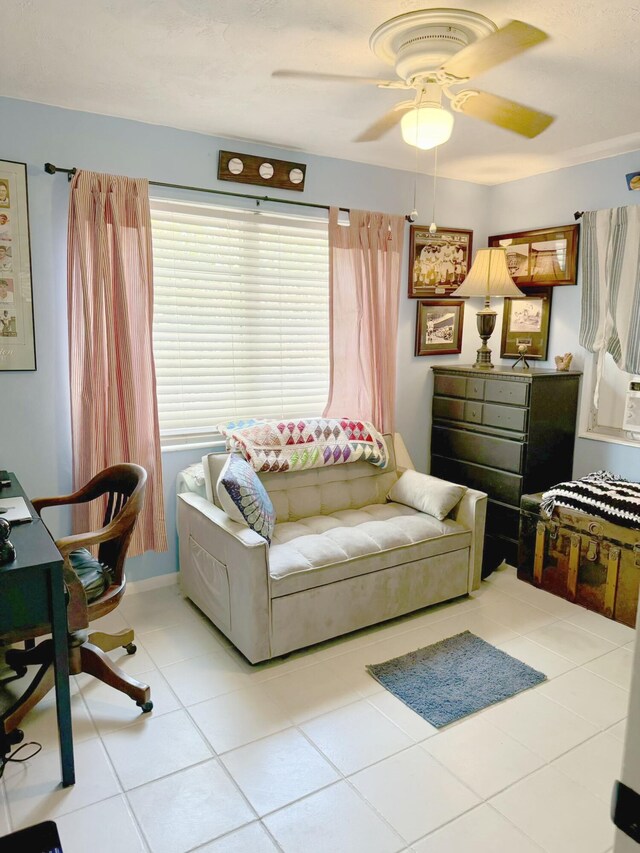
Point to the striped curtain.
(610, 321)
(365, 258)
(110, 305)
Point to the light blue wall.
(34, 407)
(551, 199)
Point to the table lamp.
(487, 277)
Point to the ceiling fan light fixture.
(426, 126)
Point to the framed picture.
(438, 263)
(17, 338)
(525, 322)
(439, 327)
(547, 256)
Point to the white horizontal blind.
(241, 316)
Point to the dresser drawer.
(499, 485)
(504, 391)
(448, 409)
(475, 447)
(503, 520)
(450, 386)
(505, 417)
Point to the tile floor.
(310, 755)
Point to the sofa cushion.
(322, 549)
(427, 494)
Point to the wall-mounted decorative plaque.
(264, 171)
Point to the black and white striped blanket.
(602, 494)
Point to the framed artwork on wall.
(17, 337)
(438, 262)
(547, 256)
(525, 322)
(439, 327)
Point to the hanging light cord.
(435, 185)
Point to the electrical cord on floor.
(5, 759)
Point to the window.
(241, 317)
(617, 417)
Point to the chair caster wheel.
(16, 736)
(20, 671)
(130, 648)
(145, 706)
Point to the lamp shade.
(426, 126)
(488, 276)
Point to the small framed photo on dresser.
(525, 323)
(439, 327)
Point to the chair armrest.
(471, 511)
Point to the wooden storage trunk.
(582, 558)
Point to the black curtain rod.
(578, 214)
(51, 170)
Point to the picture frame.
(439, 326)
(438, 262)
(17, 331)
(526, 321)
(546, 256)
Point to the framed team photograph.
(548, 256)
(525, 323)
(439, 327)
(438, 262)
(17, 337)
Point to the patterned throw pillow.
(243, 497)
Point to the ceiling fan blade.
(332, 78)
(504, 44)
(384, 124)
(500, 111)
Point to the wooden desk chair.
(94, 588)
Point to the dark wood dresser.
(508, 433)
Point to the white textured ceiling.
(205, 65)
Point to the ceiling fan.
(433, 50)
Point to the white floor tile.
(252, 838)
(179, 642)
(355, 736)
(82, 830)
(41, 723)
(546, 728)
(595, 764)
(204, 677)
(475, 621)
(414, 793)
(277, 770)
(537, 656)
(110, 709)
(404, 717)
(558, 814)
(238, 718)
(158, 608)
(482, 830)
(614, 666)
(334, 820)
(518, 615)
(571, 642)
(619, 730)
(482, 756)
(312, 691)
(34, 789)
(589, 696)
(189, 808)
(151, 749)
(608, 629)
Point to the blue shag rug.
(454, 678)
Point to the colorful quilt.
(271, 446)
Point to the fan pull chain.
(433, 227)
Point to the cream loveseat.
(342, 556)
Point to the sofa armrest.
(241, 556)
(471, 511)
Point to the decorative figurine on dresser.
(506, 433)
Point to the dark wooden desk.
(32, 593)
